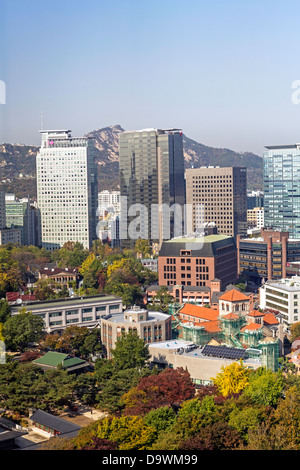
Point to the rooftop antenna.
(42, 121)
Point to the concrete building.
(282, 295)
(79, 311)
(266, 257)
(67, 189)
(255, 199)
(151, 182)
(217, 195)
(22, 215)
(255, 217)
(149, 325)
(201, 366)
(198, 261)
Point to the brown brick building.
(198, 261)
(217, 195)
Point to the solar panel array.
(224, 352)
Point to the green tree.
(22, 329)
(161, 419)
(5, 310)
(130, 352)
(143, 247)
(265, 387)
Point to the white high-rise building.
(66, 189)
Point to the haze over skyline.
(220, 71)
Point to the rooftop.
(233, 296)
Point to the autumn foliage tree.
(232, 379)
(168, 388)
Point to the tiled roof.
(251, 327)
(270, 319)
(234, 295)
(199, 312)
(230, 316)
(209, 326)
(256, 313)
(53, 422)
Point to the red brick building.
(198, 261)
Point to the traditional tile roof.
(54, 359)
(53, 422)
(233, 296)
(199, 312)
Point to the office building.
(255, 199)
(79, 311)
(266, 257)
(21, 214)
(217, 195)
(198, 261)
(151, 182)
(109, 201)
(148, 325)
(7, 235)
(283, 296)
(67, 189)
(282, 188)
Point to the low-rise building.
(201, 364)
(80, 311)
(149, 325)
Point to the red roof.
(251, 326)
(234, 295)
(209, 326)
(230, 316)
(270, 319)
(199, 312)
(256, 313)
(13, 296)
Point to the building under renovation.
(233, 325)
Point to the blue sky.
(220, 70)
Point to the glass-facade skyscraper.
(151, 177)
(282, 188)
(67, 189)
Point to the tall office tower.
(217, 195)
(67, 189)
(151, 185)
(282, 188)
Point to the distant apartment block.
(151, 177)
(109, 200)
(217, 195)
(67, 189)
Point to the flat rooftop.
(36, 305)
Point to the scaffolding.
(230, 334)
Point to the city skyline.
(224, 73)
